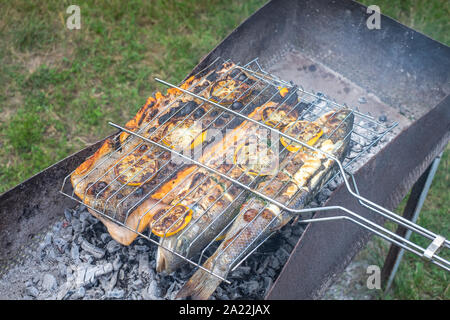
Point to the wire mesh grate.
(122, 182)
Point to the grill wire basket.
(366, 133)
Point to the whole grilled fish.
(121, 175)
(212, 198)
(300, 176)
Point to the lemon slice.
(138, 163)
(228, 91)
(256, 159)
(174, 221)
(305, 131)
(183, 134)
(275, 116)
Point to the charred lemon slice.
(283, 91)
(275, 116)
(137, 168)
(171, 222)
(183, 134)
(256, 159)
(228, 91)
(306, 131)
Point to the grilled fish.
(212, 198)
(121, 175)
(301, 175)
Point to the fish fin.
(160, 260)
(200, 287)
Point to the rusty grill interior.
(366, 133)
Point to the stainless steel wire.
(267, 85)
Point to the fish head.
(165, 259)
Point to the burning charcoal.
(64, 292)
(60, 244)
(286, 232)
(263, 266)
(76, 225)
(80, 274)
(79, 294)
(87, 258)
(115, 294)
(141, 248)
(236, 295)
(104, 269)
(250, 287)
(292, 241)
(282, 255)
(323, 196)
(137, 284)
(298, 230)
(117, 263)
(32, 291)
(105, 237)
(131, 256)
(95, 251)
(144, 267)
(68, 214)
(154, 290)
(91, 273)
(221, 294)
(275, 263)
(62, 269)
(240, 272)
(84, 215)
(270, 272)
(57, 227)
(51, 255)
(332, 185)
(47, 239)
(113, 246)
(108, 286)
(267, 284)
(49, 282)
(170, 294)
(89, 277)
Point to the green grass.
(59, 87)
(415, 278)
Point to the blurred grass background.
(59, 87)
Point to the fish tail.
(161, 264)
(200, 286)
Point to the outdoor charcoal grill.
(325, 50)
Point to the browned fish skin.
(215, 208)
(101, 188)
(303, 176)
